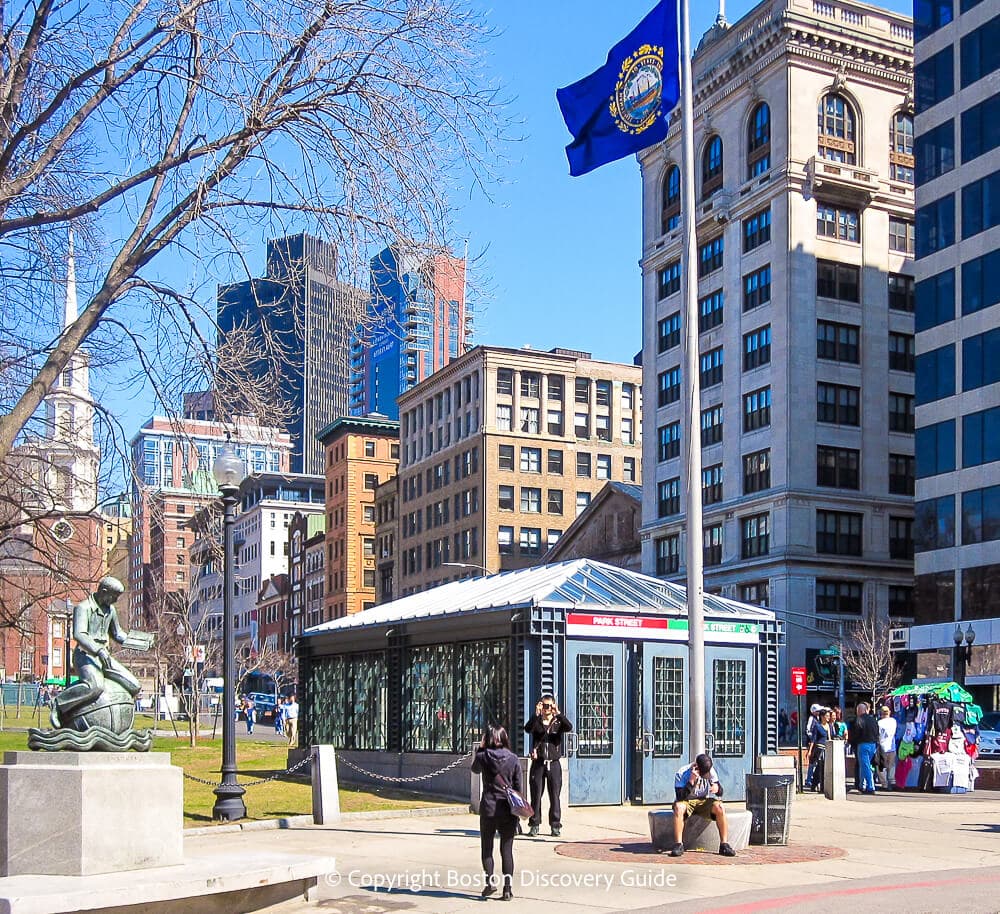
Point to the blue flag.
(625, 106)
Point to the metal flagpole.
(692, 404)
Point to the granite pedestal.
(700, 833)
(86, 813)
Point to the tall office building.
(804, 218)
(500, 451)
(302, 317)
(958, 341)
(417, 322)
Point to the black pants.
(546, 775)
(504, 824)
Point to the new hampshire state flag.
(625, 106)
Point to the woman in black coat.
(497, 763)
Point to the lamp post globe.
(229, 470)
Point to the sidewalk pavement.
(431, 863)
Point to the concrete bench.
(700, 833)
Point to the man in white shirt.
(887, 743)
(291, 721)
(698, 792)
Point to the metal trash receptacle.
(769, 801)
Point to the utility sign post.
(799, 685)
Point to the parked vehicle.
(264, 703)
(989, 735)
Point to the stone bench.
(700, 833)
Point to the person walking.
(546, 728)
(887, 746)
(865, 739)
(822, 733)
(291, 721)
(279, 714)
(814, 711)
(500, 769)
(250, 713)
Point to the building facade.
(500, 450)
(803, 142)
(386, 538)
(306, 574)
(302, 318)
(417, 321)
(957, 341)
(361, 453)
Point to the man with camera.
(546, 728)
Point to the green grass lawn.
(287, 795)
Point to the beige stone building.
(500, 450)
(803, 141)
(361, 452)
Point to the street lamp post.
(963, 652)
(229, 471)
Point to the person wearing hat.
(698, 792)
(887, 743)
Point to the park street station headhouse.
(406, 687)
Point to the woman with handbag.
(500, 770)
(822, 732)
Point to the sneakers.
(726, 851)
(677, 850)
(533, 831)
(556, 831)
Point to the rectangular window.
(930, 15)
(900, 413)
(756, 471)
(371, 481)
(936, 225)
(669, 332)
(711, 484)
(668, 280)
(668, 559)
(980, 283)
(581, 425)
(757, 288)
(531, 500)
(530, 384)
(628, 469)
(980, 128)
(603, 466)
(902, 473)
(757, 409)
(901, 235)
(602, 393)
(838, 597)
(710, 311)
(901, 352)
(628, 396)
(711, 426)
(935, 374)
(504, 422)
(711, 368)
(837, 222)
(505, 457)
(555, 382)
(756, 348)
(838, 280)
(582, 500)
(555, 462)
(838, 403)
(583, 465)
(628, 431)
(981, 515)
(668, 497)
(602, 427)
(981, 437)
(710, 256)
(980, 365)
(729, 723)
(581, 390)
(934, 524)
(838, 467)
(531, 541)
(595, 691)
(712, 545)
(554, 420)
(901, 294)
(980, 54)
(935, 300)
(505, 498)
(935, 152)
(668, 385)
(756, 540)
(668, 441)
(838, 342)
(505, 540)
(505, 381)
(981, 205)
(838, 533)
(934, 79)
(529, 420)
(901, 537)
(531, 460)
(756, 229)
(900, 602)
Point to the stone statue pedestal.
(86, 813)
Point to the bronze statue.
(98, 711)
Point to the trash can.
(769, 801)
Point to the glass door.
(664, 719)
(727, 673)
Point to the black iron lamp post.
(963, 652)
(229, 471)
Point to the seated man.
(698, 792)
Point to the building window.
(981, 515)
(668, 497)
(838, 533)
(368, 514)
(369, 449)
(757, 593)
(504, 418)
(505, 381)
(711, 167)
(980, 132)
(668, 441)
(628, 434)
(837, 222)
(757, 348)
(669, 332)
(711, 484)
(756, 538)
(668, 280)
(529, 420)
(531, 460)
(838, 467)
(712, 545)
(901, 293)
(934, 79)
(505, 540)
(371, 481)
(901, 235)
(935, 374)
(836, 132)
(505, 499)
(583, 465)
(667, 555)
(581, 425)
(757, 288)
(668, 386)
(901, 148)
(581, 390)
(554, 418)
(901, 352)
(671, 216)
(838, 403)
(711, 368)
(936, 226)
(838, 342)
(602, 428)
(931, 15)
(628, 396)
(900, 413)
(369, 577)
(531, 383)
(555, 462)
(582, 500)
(603, 466)
(756, 229)
(555, 501)
(934, 524)
(838, 597)
(901, 472)
(981, 205)
(838, 280)
(980, 283)
(602, 393)
(980, 54)
(710, 256)
(935, 151)
(710, 311)
(555, 386)
(759, 141)
(757, 409)
(756, 471)
(531, 500)
(628, 469)
(980, 366)
(505, 457)
(901, 537)
(711, 426)
(900, 602)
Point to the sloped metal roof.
(582, 585)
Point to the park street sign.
(799, 680)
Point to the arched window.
(759, 141)
(836, 140)
(671, 217)
(901, 148)
(711, 167)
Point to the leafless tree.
(868, 659)
(178, 125)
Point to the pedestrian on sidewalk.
(810, 733)
(546, 728)
(250, 714)
(698, 792)
(279, 714)
(290, 721)
(500, 768)
(887, 747)
(837, 726)
(865, 740)
(822, 732)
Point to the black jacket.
(863, 730)
(489, 763)
(546, 741)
